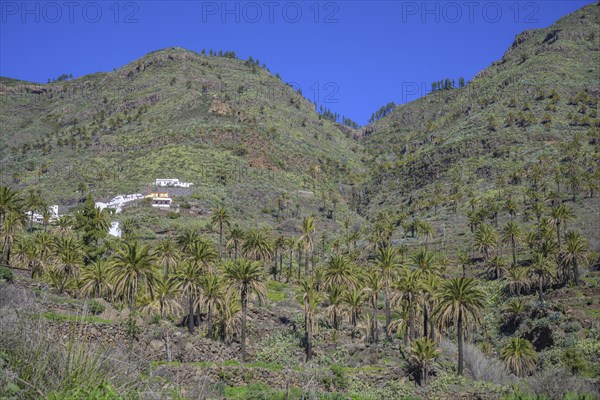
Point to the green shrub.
(6, 274)
(95, 307)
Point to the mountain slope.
(526, 107)
(237, 132)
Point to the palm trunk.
(190, 321)
(375, 328)
(306, 263)
(210, 324)
(299, 263)
(541, 291)
(425, 321)
(220, 240)
(576, 271)
(514, 250)
(432, 325)
(411, 322)
(460, 343)
(558, 234)
(244, 296)
(388, 314)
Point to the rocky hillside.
(521, 110)
(239, 133)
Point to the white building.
(172, 183)
(161, 200)
(39, 218)
(115, 229)
(118, 202)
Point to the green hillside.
(240, 134)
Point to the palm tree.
(13, 220)
(334, 301)
(517, 280)
(167, 254)
(542, 270)
(186, 239)
(234, 239)
(339, 271)
(220, 218)
(353, 302)
(69, 256)
(212, 294)
(560, 215)
(95, 279)
(519, 356)
(373, 286)
(425, 262)
(387, 263)
(485, 239)
(247, 278)
(230, 316)
(496, 267)
(513, 312)
(188, 282)
(310, 297)
(511, 233)
(460, 304)
(575, 252)
(423, 353)
(257, 245)
(278, 247)
(134, 269)
(201, 253)
(309, 228)
(166, 297)
(34, 202)
(430, 286)
(10, 201)
(407, 289)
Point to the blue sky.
(350, 56)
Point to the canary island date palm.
(69, 257)
(202, 253)
(334, 306)
(485, 239)
(386, 261)
(166, 298)
(353, 304)
(541, 271)
(460, 304)
(519, 356)
(308, 228)
(95, 279)
(188, 281)
(235, 236)
(212, 294)
(229, 317)
(133, 269)
(220, 219)
(247, 278)
(373, 286)
(559, 216)
(406, 289)
(423, 353)
(575, 252)
(517, 280)
(339, 271)
(257, 245)
(167, 254)
(511, 233)
(310, 297)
